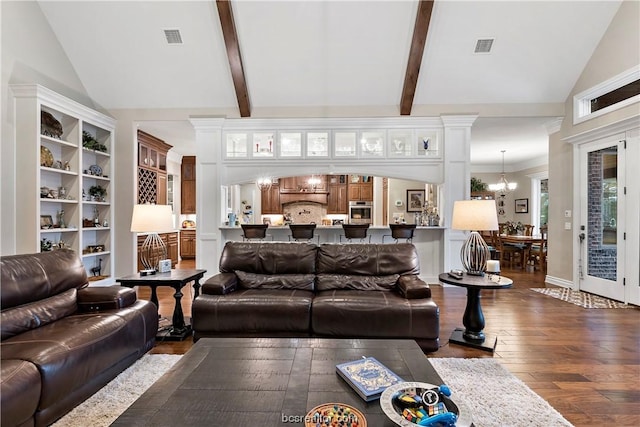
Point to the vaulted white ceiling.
(332, 58)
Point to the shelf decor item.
(474, 216)
(50, 126)
(90, 143)
(98, 192)
(152, 219)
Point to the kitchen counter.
(429, 241)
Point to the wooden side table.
(473, 319)
(176, 279)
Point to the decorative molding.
(559, 282)
(554, 125)
(604, 130)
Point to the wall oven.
(360, 212)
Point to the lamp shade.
(151, 218)
(474, 215)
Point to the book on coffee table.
(368, 377)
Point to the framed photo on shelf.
(46, 222)
(522, 205)
(415, 200)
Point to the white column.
(457, 181)
(208, 195)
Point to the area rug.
(583, 299)
(101, 409)
(494, 396)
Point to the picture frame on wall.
(522, 205)
(415, 200)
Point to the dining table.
(526, 242)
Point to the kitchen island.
(429, 241)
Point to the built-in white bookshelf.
(63, 157)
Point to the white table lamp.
(152, 219)
(474, 215)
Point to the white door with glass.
(602, 210)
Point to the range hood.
(286, 198)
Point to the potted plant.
(98, 193)
(514, 227)
(477, 185)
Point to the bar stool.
(302, 232)
(254, 231)
(355, 231)
(401, 231)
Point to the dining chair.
(254, 231)
(401, 231)
(355, 231)
(528, 230)
(538, 252)
(508, 253)
(302, 232)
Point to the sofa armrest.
(412, 287)
(220, 284)
(105, 298)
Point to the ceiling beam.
(233, 55)
(420, 30)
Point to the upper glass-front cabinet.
(289, 144)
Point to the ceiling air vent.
(173, 36)
(483, 45)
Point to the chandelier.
(503, 185)
(314, 182)
(263, 183)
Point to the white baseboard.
(558, 282)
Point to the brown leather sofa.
(332, 290)
(61, 340)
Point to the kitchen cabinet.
(188, 186)
(152, 169)
(170, 240)
(300, 184)
(187, 244)
(360, 188)
(337, 200)
(271, 200)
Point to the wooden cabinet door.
(366, 192)
(161, 190)
(188, 197)
(354, 192)
(172, 247)
(289, 185)
(189, 168)
(188, 244)
(337, 199)
(271, 201)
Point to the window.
(611, 95)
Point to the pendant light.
(503, 185)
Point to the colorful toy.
(425, 407)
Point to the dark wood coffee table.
(268, 381)
(176, 279)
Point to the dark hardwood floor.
(584, 362)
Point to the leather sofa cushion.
(327, 282)
(19, 392)
(368, 260)
(413, 287)
(275, 281)
(253, 310)
(73, 350)
(105, 298)
(269, 257)
(33, 277)
(33, 315)
(373, 315)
